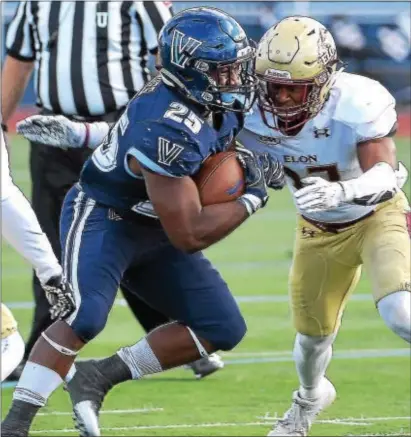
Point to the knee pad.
(228, 334)
(313, 345)
(396, 313)
(87, 327)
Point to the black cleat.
(206, 366)
(87, 390)
(18, 420)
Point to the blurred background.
(374, 38)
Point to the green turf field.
(371, 368)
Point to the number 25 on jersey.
(181, 114)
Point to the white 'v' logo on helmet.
(182, 46)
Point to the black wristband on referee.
(4, 127)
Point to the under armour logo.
(272, 141)
(307, 232)
(406, 286)
(102, 19)
(322, 132)
(182, 48)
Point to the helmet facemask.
(313, 95)
(296, 52)
(232, 85)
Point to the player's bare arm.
(189, 225)
(377, 150)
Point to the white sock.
(70, 373)
(140, 359)
(12, 351)
(395, 309)
(312, 356)
(36, 384)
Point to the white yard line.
(255, 354)
(135, 411)
(362, 419)
(338, 421)
(265, 298)
(241, 358)
(402, 432)
(350, 354)
(146, 427)
(237, 358)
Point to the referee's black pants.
(53, 172)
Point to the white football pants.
(12, 351)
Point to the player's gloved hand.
(318, 195)
(401, 174)
(273, 171)
(57, 131)
(272, 168)
(60, 297)
(255, 196)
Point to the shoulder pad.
(359, 100)
(167, 150)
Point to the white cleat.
(206, 366)
(298, 419)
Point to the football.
(220, 179)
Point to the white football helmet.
(297, 51)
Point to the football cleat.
(298, 419)
(206, 366)
(87, 390)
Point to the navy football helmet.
(206, 54)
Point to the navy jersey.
(166, 134)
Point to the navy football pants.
(98, 249)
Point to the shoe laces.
(297, 414)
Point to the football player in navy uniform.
(136, 208)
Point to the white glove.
(57, 131)
(319, 195)
(401, 174)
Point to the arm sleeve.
(165, 151)
(20, 227)
(19, 40)
(153, 16)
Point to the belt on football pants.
(335, 227)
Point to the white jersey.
(357, 110)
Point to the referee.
(89, 59)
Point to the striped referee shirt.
(90, 57)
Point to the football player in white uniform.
(21, 229)
(333, 132)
